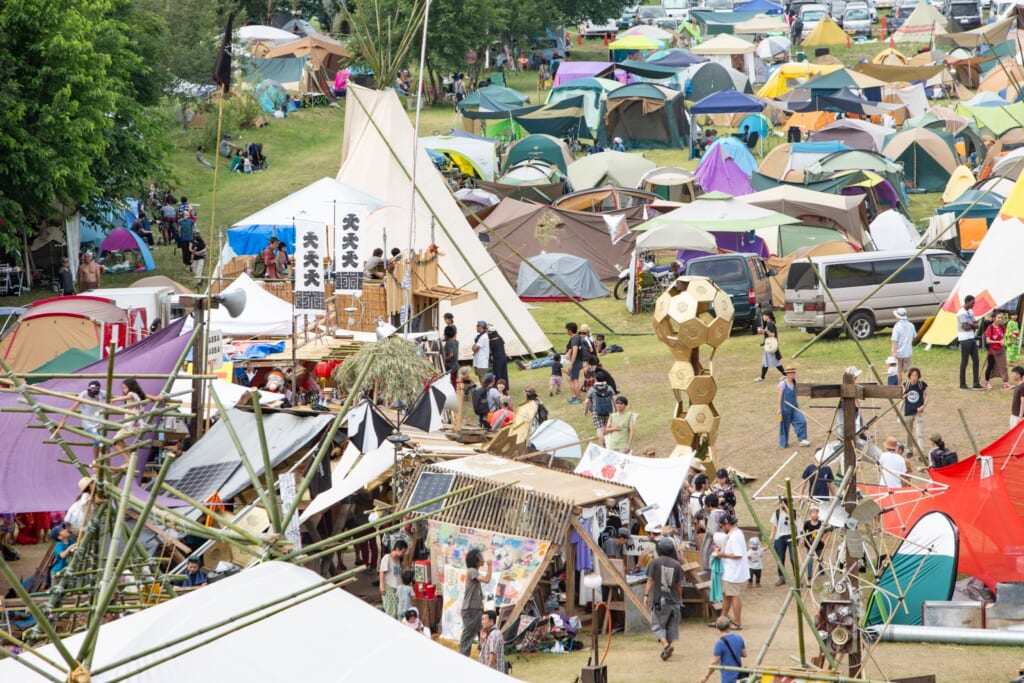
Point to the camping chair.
(526, 638)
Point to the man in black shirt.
(197, 249)
(663, 594)
(65, 284)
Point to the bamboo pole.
(795, 561)
(37, 614)
(274, 508)
(795, 674)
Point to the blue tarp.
(762, 6)
(252, 239)
(257, 351)
(727, 102)
(825, 147)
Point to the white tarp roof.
(317, 203)
(369, 467)
(265, 315)
(333, 637)
(229, 394)
(373, 118)
(255, 32)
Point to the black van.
(744, 278)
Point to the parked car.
(857, 20)
(591, 29)
(837, 8)
(720, 5)
(966, 13)
(744, 278)
(677, 9)
(811, 15)
(920, 287)
(628, 16)
(901, 9)
(649, 13)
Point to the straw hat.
(84, 483)
(891, 443)
(789, 367)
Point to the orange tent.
(810, 120)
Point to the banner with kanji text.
(350, 251)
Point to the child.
(405, 592)
(892, 376)
(556, 375)
(590, 364)
(754, 553)
(717, 547)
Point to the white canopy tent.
(324, 635)
(316, 203)
(264, 314)
(377, 154)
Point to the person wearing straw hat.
(892, 467)
(789, 410)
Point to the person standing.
(89, 273)
(735, 570)
(903, 333)
(574, 359)
(995, 334)
(771, 355)
(781, 534)
(450, 350)
(811, 529)
(915, 396)
(492, 642)
(481, 350)
(88, 401)
(390, 577)
(789, 410)
(1017, 404)
(892, 467)
(620, 428)
(186, 225)
(282, 262)
(966, 331)
(663, 594)
(600, 406)
(269, 258)
(473, 599)
(65, 283)
(729, 650)
(499, 360)
(198, 249)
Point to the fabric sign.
(350, 253)
(310, 296)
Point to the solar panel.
(431, 485)
(199, 483)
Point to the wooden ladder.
(696, 589)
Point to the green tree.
(72, 129)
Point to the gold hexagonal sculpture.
(693, 313)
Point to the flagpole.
(415, 157)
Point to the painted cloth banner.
(310, 296)
(657, 480)
(350, 252)
(516, 562)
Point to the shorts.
(599, 421)
(95, 432)
(575, 370)
(665, 623)
(556, 380)
(731, 590)
(480, 371)
(903, 365)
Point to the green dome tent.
(647, 116)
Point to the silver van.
(920, 288)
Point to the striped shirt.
(494, 644)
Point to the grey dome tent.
(574, 276)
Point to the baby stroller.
(256, 156)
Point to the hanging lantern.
(322, 369)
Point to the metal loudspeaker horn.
(233, 301)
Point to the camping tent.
(377, 157)
(827, 32)
(546, 148)
(570, 274)
(323, 52)
(608, 168)
(723, 47)
(475, 156)
(647, 116)
(795, 157)
(675, 57)
(961, 180)
(986, 277)
(922, 26)
(706, 78)
(265, 315)
(593, 92)
(493, 93)
(720, 172)
(215, 628)
(719, 212)
(121, 240)
(727, 102)
(670, 183)
(892, 231)
(927, 157)
(854, 133)
(321, 203)
(571, 71)
(529, 229)
(841, 212)
(34, 476)
(779, 83)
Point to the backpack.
(259, 268)
(479, 397)
(946, 457)
(603, 400)
(542, 414)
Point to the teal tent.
(647, 116)
(544, 148)
(71, 360)
(495, 93)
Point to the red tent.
(988, 511)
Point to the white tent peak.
(264, 313)
(315, 203)
(377, 154)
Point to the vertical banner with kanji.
(309, 270)
(350, 252)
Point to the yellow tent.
(960, 181)
(890, 55)
(779, 84)
(827, 32)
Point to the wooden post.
(570, 576)
(609, 568)
(849, 392)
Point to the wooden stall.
(543, 506)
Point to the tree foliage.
(382, 34)
(74, 128)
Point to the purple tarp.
(570, 71)
(717, 174)
(31, 478)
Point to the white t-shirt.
(891, 466)
(482, 356)
(735, 571)
(780, 518)
(965, 316)
(754, 557)
(392, 571)
(903, 334)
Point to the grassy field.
(307, 146)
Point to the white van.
(920, 288)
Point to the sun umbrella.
(772, 46)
